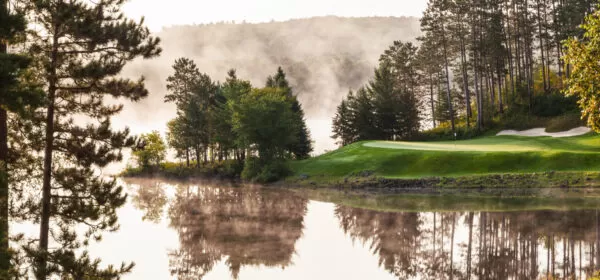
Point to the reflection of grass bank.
(229, 169)
(494, 184)
(554, 200)
(509, 155)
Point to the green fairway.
(489, 155)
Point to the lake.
(206, 231)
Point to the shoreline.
(526, 184)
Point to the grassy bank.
(452, 159)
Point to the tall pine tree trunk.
(198, 156)
(41, 272)
(476, 74)
(448, 90)
(431, 99)
(4, 256)
(510, 48)
(541, 37)
(500, 99)
(465, 75)
(187, 156)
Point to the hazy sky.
(159, 13)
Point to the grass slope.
(487, 155)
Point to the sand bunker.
(542, 132)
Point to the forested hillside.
(477, 63)
(324, 57)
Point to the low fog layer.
(323, 57)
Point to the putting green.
(587, 143)
(457, 146)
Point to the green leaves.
(582, 55)
(152, 150)
(265, 119)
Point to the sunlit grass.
(488, 155)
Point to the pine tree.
(434, 24)
(233, 90)
(343, 128)
(81, 47)
(301, 148)
(386, 103)
(402, 58)
(14, 97)
(363, 117)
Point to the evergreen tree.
(402, 58)
(81, 47)
(15, 96)
(233, 90)
(194, 95)
(264, 118)
(386, 103)
(342, 127)
(362, 115)
(184, 81)
(301, 148)
(434, 24)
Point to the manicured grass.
(486, 155)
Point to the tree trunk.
(4, 256)
(476, 77)
(510, 55)
(500, 99)
(448, 92)
(465, 76)
(543, 61)
(198, 157)
(187, 156)
(431, 99)
(41, 272)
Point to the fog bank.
(323, 57)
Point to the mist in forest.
(323, 57)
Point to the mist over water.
(323, 57)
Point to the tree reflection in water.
(150, 197)
(251, 226)
(242, 226)
(482, 245)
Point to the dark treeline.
(257, 128)
(477, 61)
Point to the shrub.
(251, 168)
(444, 132)
(555, 104)
(257, 171)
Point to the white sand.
(542, 132)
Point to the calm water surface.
(188, 231)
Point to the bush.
(444, 132)
(256, 171)
(519, 122)
(230, 168)
(552, 105)
(251, 168)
